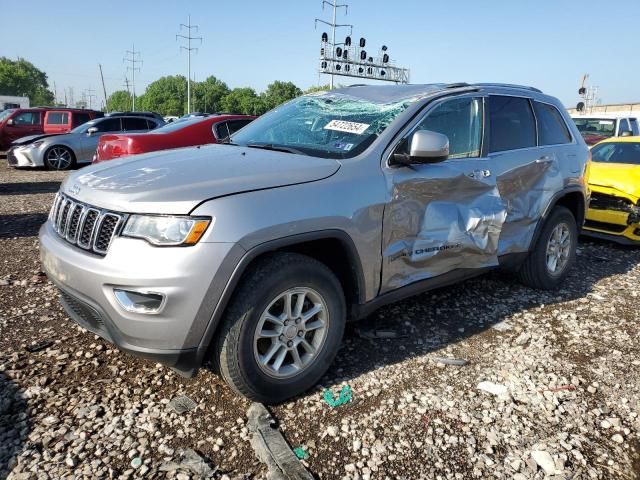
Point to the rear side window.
(634, 126)
(551, 127)
(512, 125)
(80, 118)
(222, 130)
(130, 124)
(235, 125)
(624, 126)
(57, 118)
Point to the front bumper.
(191, 278)
(20, 157)
(612, 225)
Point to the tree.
(167, 96)
(22, 78)
(119, 101)
(278, 93)
(207, 95)
(317, 88)
(243, 100)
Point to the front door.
(25, 123)
(443, 216)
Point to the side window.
(551, 127)
(511, 124)
(235, 125)
(80, 118)
(461, 121)
(27, 118)
(623, 126)
(130, 124)
(222, 130)
(634, 127)
(109, 125)
(54, 118)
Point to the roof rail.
(509, 85)
(457, 85)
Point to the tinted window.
(108, 125)
(80, 118)
(27, 118)
(461, 121)
(235, 125)
(222, 130)
(618, 152)
(624, 126)
(634, 126)
(130, 124)
(551, 127)
(511, 123)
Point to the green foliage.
(119, 101)
(243, 100)
(167, 96)
(22, 78)
(317, 88)
(278, 93)
(207, 96)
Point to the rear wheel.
(282, 329)
(59, 158)
(554, 254)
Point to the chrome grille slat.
(83, 225)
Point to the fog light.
(139, 301)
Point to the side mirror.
(426, 147)
(626, 133)
(91, 130)
(10, 121)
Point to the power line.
(188, 48)
(133, 58)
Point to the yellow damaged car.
(614, 180)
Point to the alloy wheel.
(59, 158)
(558, 249)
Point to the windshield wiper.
(276, 148)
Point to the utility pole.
(188, 48)
(126, 84)
(104, 90)
(90, 94)
(55, 94)
(133, 58)
(334, 4)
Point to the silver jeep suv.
(254, 254)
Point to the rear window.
(551, 127)
(512, 125)
(57, 118)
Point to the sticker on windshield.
(344, 126)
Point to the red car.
(182, 133)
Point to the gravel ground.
(550, 386)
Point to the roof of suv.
(396, 93)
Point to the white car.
(597, 127)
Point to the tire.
(59, 157)
(536, 272)
(258, 299)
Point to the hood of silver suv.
(175, 181)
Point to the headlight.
(166, 230)
(35, 144)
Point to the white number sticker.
(344, 126)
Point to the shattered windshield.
(329, 125)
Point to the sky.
(548, 44)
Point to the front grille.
(609, 227)
(83, 225)
(602, 201)
(84, 314)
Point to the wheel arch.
(572, 198)
(334, 248)
(74, 157)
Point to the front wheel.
(59, 158)
(554, 253)
(282, 329)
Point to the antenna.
(188, 48)
(133, 58)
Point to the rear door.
(527, 175)
(56, 122)
(443, 216)
(27, 122)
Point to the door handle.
(544, 158)
(480, 173)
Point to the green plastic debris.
(345, 396)
(301, 453)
